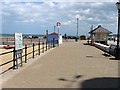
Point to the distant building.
(112, 37)
(82, 37)
(53, 37)
(100, 34)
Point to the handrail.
(6, 52)
(45, 46)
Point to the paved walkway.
(72, 65)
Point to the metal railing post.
(46, 46)
(25, 53)
(14, 51)
(53, 42)
(33, 49)
(43, 47)
(21, 57)
(39, 48)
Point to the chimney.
(99, 26)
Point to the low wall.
(103, 47)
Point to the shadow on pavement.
(113, 59)
(106, 55)
(70, 82)
(107, 82)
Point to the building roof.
(54, 33)
(100, 29)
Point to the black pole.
(43, 47)
(46, 35)
(46, 46)
(53, 42)
(21, 57)
(39, 47)
(58, 30)
(118, 28)
(77, 27)
(77, 30)
(25, 53)
(117, 55)
(54, 28)
(33, 49)
(14, 51)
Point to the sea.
(6, 35)
(12, 35)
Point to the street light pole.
(58, 30)
(54, 28)
(46, 35)
(117, 55)
(77, 30)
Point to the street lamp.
(77, 30)
(54, 28)
(117, 50)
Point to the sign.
(58, 24)
(18, 41)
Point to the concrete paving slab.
(69, 66)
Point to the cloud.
(67, 23)
(60, 0)
(47, 13)
(79, 17)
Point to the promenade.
(71, 65)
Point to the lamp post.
(92, 36)
(58, 29)
(117, 50)
(77, 29)
(54, 28)
(46, 35)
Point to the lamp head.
(118, 4)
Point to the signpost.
(58, 25)
(18, 47)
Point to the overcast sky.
(37, 16)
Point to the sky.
(37, 16)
